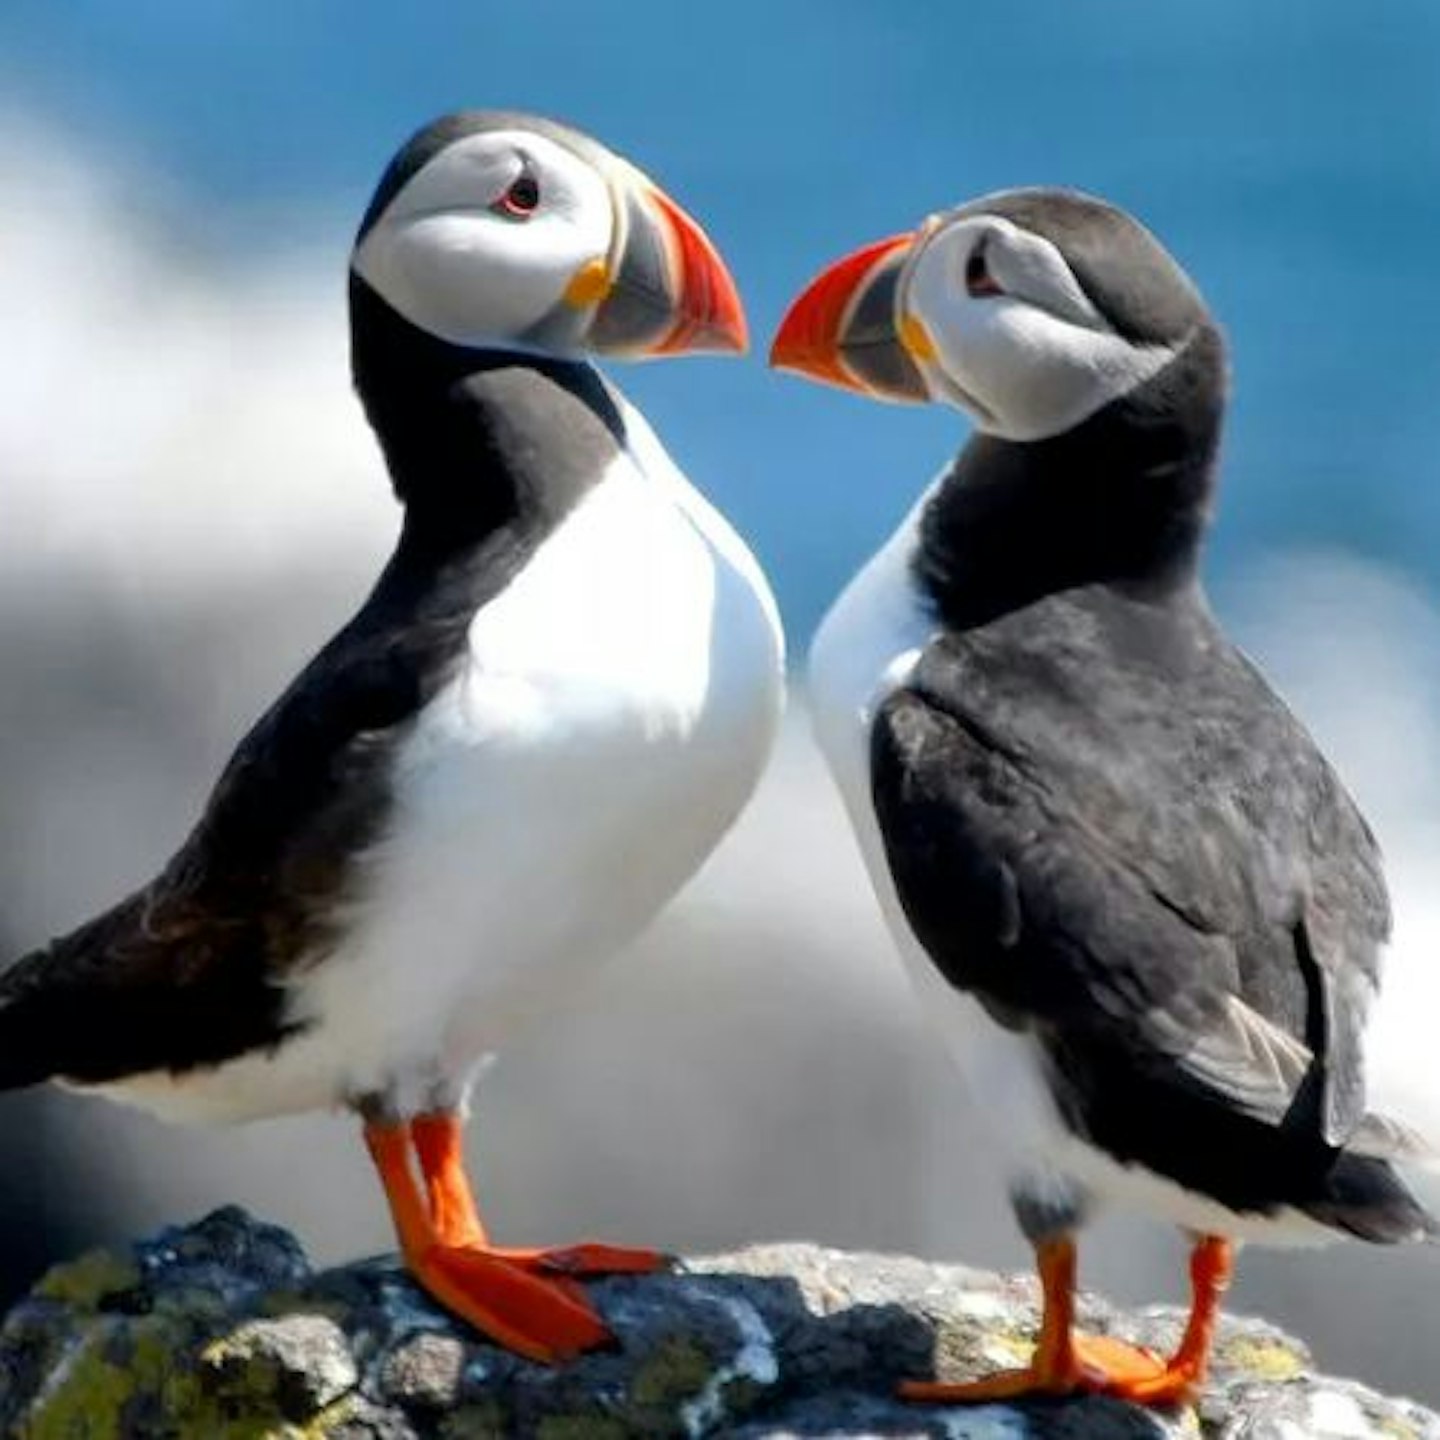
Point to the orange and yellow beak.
(663, 290)
(846, 329)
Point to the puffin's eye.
(521, 199)
(978, 279)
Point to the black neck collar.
(1122, 499)
(460, 467)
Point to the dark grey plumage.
(1128, 275)
(1099, 818)
(1103, 823)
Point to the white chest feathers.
(612, 715)
(865, 648)
(642, 617)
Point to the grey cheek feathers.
(1100, 369)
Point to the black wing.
(1104, 824)
(190, 970)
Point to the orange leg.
(1064, 1362)
(542, 1319)
(439, 1147)
(1212, 1264)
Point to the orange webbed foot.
(544, 1320)
(1172, 1384)
(1103, 1362)
(988, 1389)
(1067, 1363)
(1089, 1365)
(527, 1299)
(586, 1259)
(439, 1148)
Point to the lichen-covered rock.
(222, 1330)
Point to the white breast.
(865, 648)
(618, 703)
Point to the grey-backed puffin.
(1128, 886)
(556, 699)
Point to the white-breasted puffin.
(1126, 883)
(557, 698)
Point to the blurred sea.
(189, 504)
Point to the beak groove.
(710, 314)
(844, 330)
(668, 291)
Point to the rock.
(221, 1330)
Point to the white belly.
(617, 706)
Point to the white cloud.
(162, 422)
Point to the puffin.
(554, 702)
(1129, 889)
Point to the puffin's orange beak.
(843, 328)
(709, 315)
(664, 290)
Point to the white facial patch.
(1033, 361)
(451, 262)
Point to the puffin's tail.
(1364, 1193)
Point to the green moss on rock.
(1265, 1359)
(95, 1276)
(677, 1370)
(88, 1400)
(482, 1421)
(220, 1332)
(582, 1427)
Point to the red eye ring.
(521, 200)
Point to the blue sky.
(1287, 153)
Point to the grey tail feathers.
(1381, 1138)
(1364, 1195)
